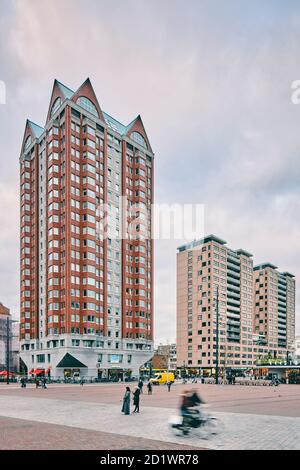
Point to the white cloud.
(213, 86)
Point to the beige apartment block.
(205, 267)
(274, 310)
(256, 307)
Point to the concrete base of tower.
(86, 362)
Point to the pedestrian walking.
(136, 400)
(37, 383)
(82, 381)
(23, 382)
(126, 402)
(140, 385)
(149, 387)
(169, 383)
(44, 382)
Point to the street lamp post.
(7, 350)
(225, 353)
(217, 336)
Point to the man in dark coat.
(136, 400)
(140, 385)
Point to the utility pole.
(7, 350)
(217, 336)
(225, 354)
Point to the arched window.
(139, 139)
(55, 106)
(28, 142)
(86, 104)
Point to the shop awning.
(70, 362)
(38, 371)
(3, 373)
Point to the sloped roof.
(114, 124)
(70, 361)
(65, 90)
(36, 129)
(111, 122)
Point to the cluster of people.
(42, 382)
(136, 397)
(39, 382)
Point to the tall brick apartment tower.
(86, 296)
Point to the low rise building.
(169, 350)
(9, 340)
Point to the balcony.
(233, 283)
(233, 294)
(233, 275)
(233, 303)
(232, 258)
(233, 309)
(233, 330)
(233, 316)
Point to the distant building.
(13, 331)
(256, 308)
(160, 361)
(173, 357)
(274, 309)
(203, 268)
(168, 350)
(15, 345)
(165, 357)
(297, 347)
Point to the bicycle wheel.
(212, 426)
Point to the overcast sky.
(212, 81)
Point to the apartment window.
(86, 104)
(40, 358)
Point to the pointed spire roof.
(137, 125)
(86, 90)
(131, 124)
(58, 91)
(68, 93)
(36, 129)
(31, 130)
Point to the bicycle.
(204, 423)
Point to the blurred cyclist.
(188, 408)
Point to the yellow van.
(162, 378)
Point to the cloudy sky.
(212, 81)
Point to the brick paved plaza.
(89, 417)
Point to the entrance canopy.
(70, 362)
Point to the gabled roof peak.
(66, 90)
(36, 129)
